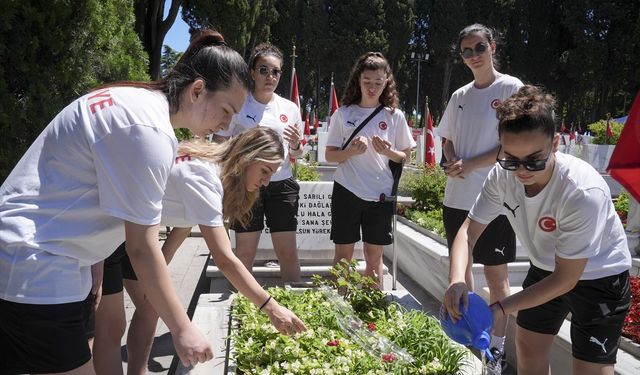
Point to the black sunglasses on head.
(479, 49)
(530, 165)
(263, 70)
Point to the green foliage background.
(54, 51)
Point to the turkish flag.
(624, 165)
(295, 97)
(430, 144)
(307, 131)
(572, 135)
(609, 130)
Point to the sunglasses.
(479, 49)
(530, 165)
(263, 70)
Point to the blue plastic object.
(474, 329)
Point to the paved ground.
(187, 271)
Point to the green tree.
(44, 66)
(169, 59)
(152, 27)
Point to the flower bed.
(369, 336)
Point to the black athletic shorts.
(349, 214)
(37, 339)
(598, 309)
(496, 245)
(278, 202)
(117, 267)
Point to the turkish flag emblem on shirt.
(547, 224)
(495, 103)
(382, 125)
(283, 118)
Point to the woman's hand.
(285, 321)
(456, 292)
(454, 168)
(292, 135)
(358, 145)
(381, 146)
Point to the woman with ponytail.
(94, 177)
(209, 183)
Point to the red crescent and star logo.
(283, 118)
(382, 125)
(495, 103)
(547, 224)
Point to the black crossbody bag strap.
(372, 115)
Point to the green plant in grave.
(328, 348)
(307, 172)
(599, 131)
(358, 290)
(431, 220)
(426, 187)
(621, 204)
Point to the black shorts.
(278, 202)
(349, 213)
(117, 267)
(36, 339)
(496, 245)
(598, 309)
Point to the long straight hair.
(233, 157)
(371, 61)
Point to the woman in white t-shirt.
(95, 176)
(278, 202)
(561, 210)
(208, 184)
(363, 172)
(470, 127)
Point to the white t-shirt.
(368, 175)
(103, 159)
(194, 194)
(470, 122)
(572, 217)
(277, 114)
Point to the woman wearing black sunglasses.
(278, 201)
(561, 210)
(469, 125)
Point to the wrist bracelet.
(501, 308)
(297, 147)
(267, 301)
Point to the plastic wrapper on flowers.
(369, 340)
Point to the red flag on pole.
(316, 123)
(572, 135)
(307, 131)
(430, 144)
(563, 129)
(295, 97)
(609, 130)
(333, 100)
(624, 165)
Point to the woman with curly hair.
(363, 172)
(209, 183)
(566, 221)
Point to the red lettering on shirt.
(103, 100)
(183, 158)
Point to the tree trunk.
(152, 28)
(448, 68)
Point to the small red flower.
(372, 326)
(389, 357)
(333, 342)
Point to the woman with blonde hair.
(209, 184)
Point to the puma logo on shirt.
(252, 118)
(597, 342)
(513, 210)
(501, 251)
(352, 123)
(460, 107)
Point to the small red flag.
(334, 99)
(295, 96)
(563, 129)
(316, 123)
(624, 165)
(609, 130)
(430, 144)
(572, 135)
(307, 131)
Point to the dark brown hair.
(209, 58)
(371, 61)
(529, 109)
(265, 49)
(483, 30)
